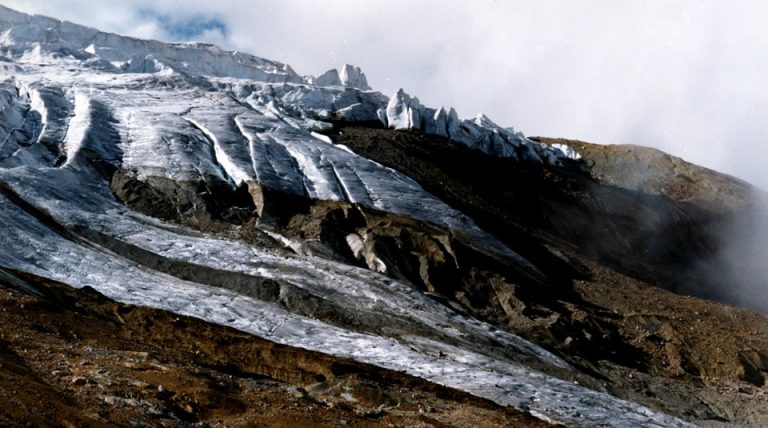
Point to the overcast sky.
(689, 77)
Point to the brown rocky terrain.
(611, 248)
(654, 172)
(74, 358)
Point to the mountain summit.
(359, 243)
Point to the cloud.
(186, 28)
(686, 76)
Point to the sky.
(688, 77)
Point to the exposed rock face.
(604, 245)
(650, 237)
(201, 204)
(432, 259)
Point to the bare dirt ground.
(74, 358)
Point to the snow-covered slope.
(76, 104)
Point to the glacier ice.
(75, 102)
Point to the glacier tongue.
(79, 103)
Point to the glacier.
(76, 103)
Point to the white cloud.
(686, 76)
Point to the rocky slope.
(308, 232)
(74, 358)
(607, 251)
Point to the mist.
(738, 273)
